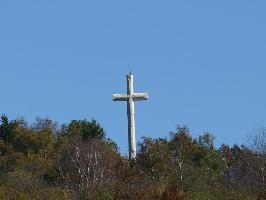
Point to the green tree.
(87, 129)
(154, 158)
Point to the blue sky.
(202, 62)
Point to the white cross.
(130, 97)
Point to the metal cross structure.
(131, 97)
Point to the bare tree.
(87, 163)
(180, 146)
(257, 144)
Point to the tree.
(86, 129)
(44, 125)
(173, 193)
(6, 129)
(154, 158)
(257, 144)
(206, 140)
(133, 183)
(85, 164)
(87, 160)
(181, 149)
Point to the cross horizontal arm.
(140, 96)
(120, 97)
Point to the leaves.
(76, 161)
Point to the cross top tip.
(130, 71)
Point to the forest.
(44, 160)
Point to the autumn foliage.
(43, 160)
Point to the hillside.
(76, 161)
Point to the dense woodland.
(76, 161)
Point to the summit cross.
(131, 97)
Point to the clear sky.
(202, 62)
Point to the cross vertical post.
(131, 97)
(131, 117)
